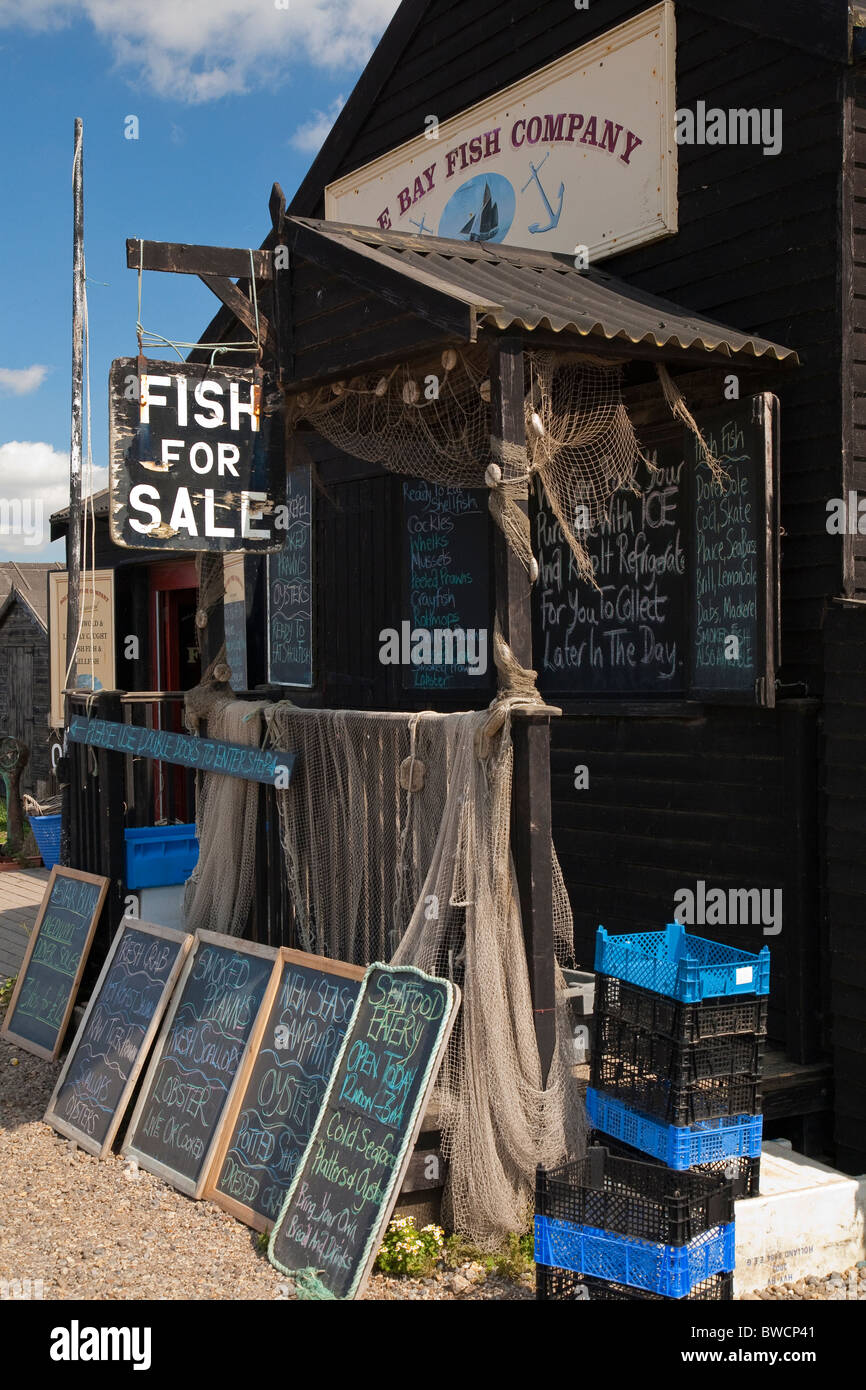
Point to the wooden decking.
(20, 895)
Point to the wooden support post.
(530, 800)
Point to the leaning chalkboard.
(216, 1014)
(290, 587)
(44, 996)
(335, 1212)
(119, 1025)
(281, 1094)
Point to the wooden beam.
(530, 798)
(183, 259)
(242, 308)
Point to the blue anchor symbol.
(554, 216)
(422, 225)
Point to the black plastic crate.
(690, 1023)
(655, 1094)
(554, 1285)
(628, 1197)
(682, 1063)
(744, 1174)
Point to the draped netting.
(396, 835)
(219, 892)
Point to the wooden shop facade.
(651, 185)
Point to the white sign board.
(94, 663)
(580, 154)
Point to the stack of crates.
(680, 1029)
(610, 1229)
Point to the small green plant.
(6, 988)
(262, 1241)
(514, 1258)
(406, 1250)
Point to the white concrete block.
(808, 1219)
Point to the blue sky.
(230, 96)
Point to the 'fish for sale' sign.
(196, 457)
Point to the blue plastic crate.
(672, 1270)
(160, 854)
(679, 1146)
(46, 833)
(688, 968)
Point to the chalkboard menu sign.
(282, 1092)
(215, 1016)
(290, 587)
(344, 1189)
(118, 1028)
(44, 996)
(687, 574)
(628, 635)
(733, 541)
(445, 636)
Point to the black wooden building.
(765, 793)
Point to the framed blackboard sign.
(215, 1017)
(628, 636)
(44, 995)
(734, 544)
(344, 1189)
(290, 587)
(281, 1093)
(116, 1033)
(445, 636)
(687, 574)
(235, 618)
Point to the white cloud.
(34, 482)
(200, 50)
(310, 136)
(20, 381)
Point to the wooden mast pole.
(530, 798)
(73, 534)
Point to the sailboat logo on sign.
(481, 209)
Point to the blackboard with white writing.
(111, 1045)
(446, 588)
(284, 1088)
(51, 971)
(335, 1212)
(214, 1018)
(732, 628)
(290, 587)
(687, 574)
(629, 634)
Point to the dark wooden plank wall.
(673, 801)
(757, 245)
(857, 309)
(844, 802)
(25, 689)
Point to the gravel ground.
(94, 1228)
(104, 1229)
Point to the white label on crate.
(744, 974)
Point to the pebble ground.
(104, 1229)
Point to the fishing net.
(395, 830)
(218, 894)
(432, 420)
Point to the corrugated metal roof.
(512, 287)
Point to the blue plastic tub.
(46, 833)
(671, 1270)
(679, 1146)
(688, 968)
(157, 855)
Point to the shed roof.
(509, 287)
(28, 582)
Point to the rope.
(679, 409)
(147, 338)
